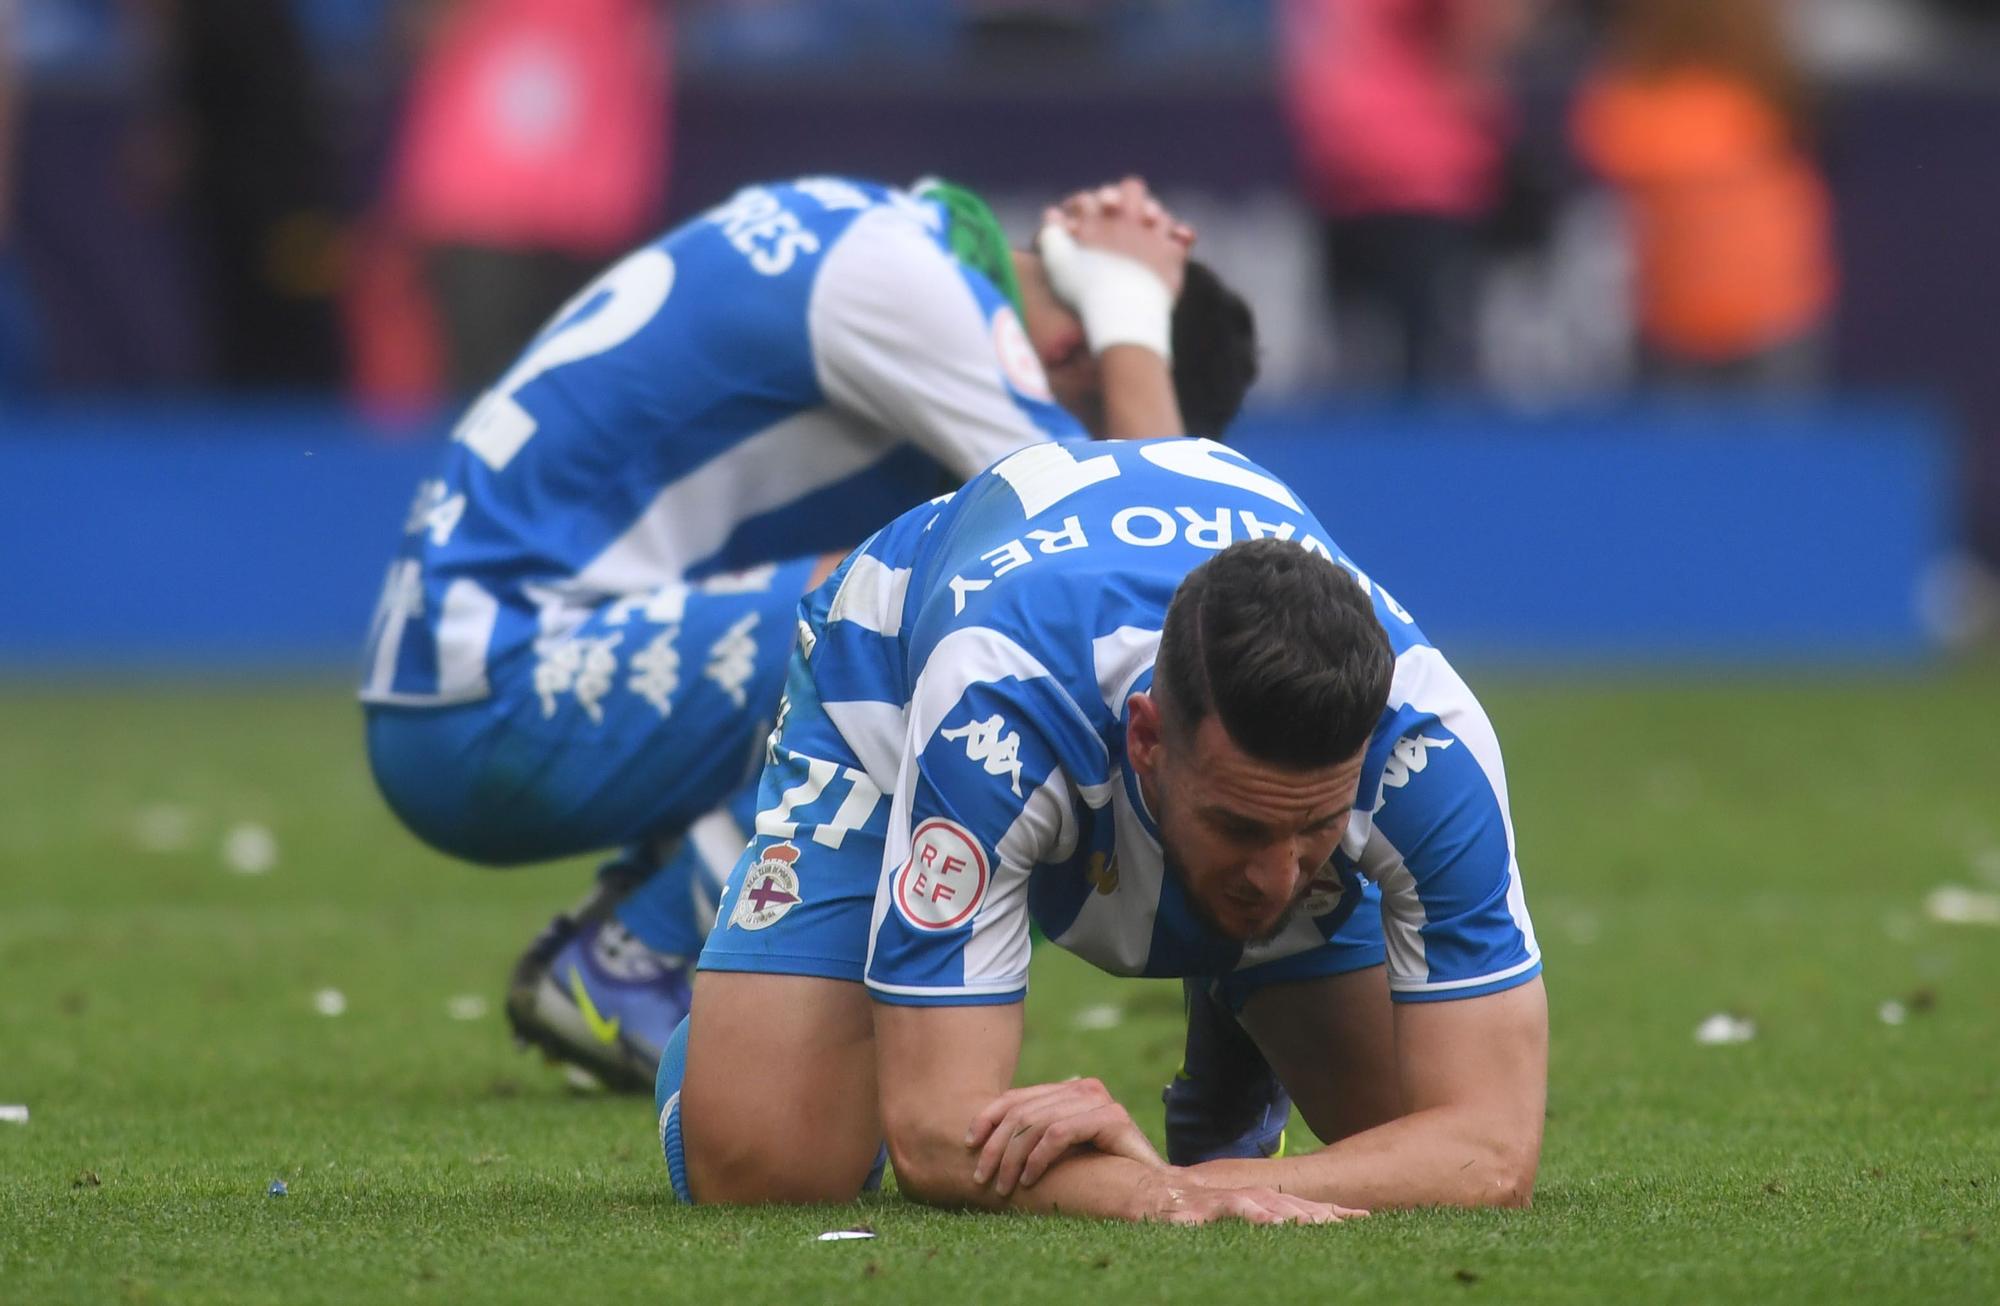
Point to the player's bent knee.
(770, 1108)
(723, 1171)
(763, 1151)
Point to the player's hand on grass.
(1024, 1131)
(1177, 1197)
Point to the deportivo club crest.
(770, 889)
(1325, 895)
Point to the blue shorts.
(801, 899)
(801, 896)
(687, 685)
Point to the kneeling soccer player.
(583, 638)
(1135, 693)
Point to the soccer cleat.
(1226, 1101)
(591, 996)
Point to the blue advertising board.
(195, 539)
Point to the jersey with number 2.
(772, 380)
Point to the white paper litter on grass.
(249, 849)
(329, 1002)
(1725, 1028)
(843, 1235)
(1954, 904)
(466, 1006)
(13, 1114)
(1099, 1015)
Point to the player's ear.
(1144, 733)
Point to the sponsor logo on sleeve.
(945, 880)
(1409, 757)
(769, 891)
(1018, 360)
(991, 744)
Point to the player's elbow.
(932, 1165)
(1503, 1175)
(1512, 1187)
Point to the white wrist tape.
(1121, 300)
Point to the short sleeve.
(983, 800)
(1454, 917)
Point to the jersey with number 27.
(979, 656)
(774, 379)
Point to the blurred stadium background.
(250, 252)
(1642, 405)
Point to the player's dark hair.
(1283, 647)
(1215, 351)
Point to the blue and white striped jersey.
(978, 657)
(772, 380)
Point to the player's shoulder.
(779, 227)
(1091, 507)
(1068, 554)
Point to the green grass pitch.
(1757, 847)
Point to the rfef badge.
(945, 879)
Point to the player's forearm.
(1085, 1183)
(1446, 1156)
(1139, 402)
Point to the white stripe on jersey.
(1120, 658)
(463, 633)
(871, 596)
(900, 339)
(997, 952)
(464, 629)
(692, 518)
(1403, 918)
(1446, 986)
(875, 732)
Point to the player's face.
(1076, 383)
(1057, 336)
(1245, 837)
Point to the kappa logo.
(583, 667)
(769, 891)
(656, 671)
(732, 661)
(945, 879)
(1409, 757)
(993, 746)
